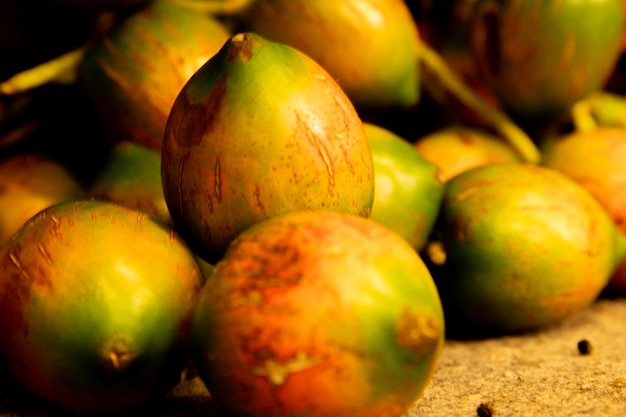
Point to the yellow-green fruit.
(369, 46)
(595, 159)
(527, 247)
(131, 176)
(132, 75)
(541, 56)
(29, 183)
(458, 148)
(261, 129)
(96, 306)
(408, 190)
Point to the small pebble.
(484, 410)
(584, 347)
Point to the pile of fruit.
(299, 200)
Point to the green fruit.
(258, 131)
(540, 56)
(458, 148)
(527, 247)
(369, 46)
(408, 190)
(595, 159)
(132, 76)
(96, 303)
(131, 176)
(318, 314)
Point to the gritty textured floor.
(540, 374)
(543, 374)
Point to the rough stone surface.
(540, 374)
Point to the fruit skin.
(458, 148)
(526, 246)
(540, 56)
(317, 313)
(261, 130)
(131, 176)
(408, 188)
(595, 159)
(132, 76)
(29, 182)
(374, 53)
(96, 301)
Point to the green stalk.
(513, 134)
(61, 69)
(582, 116)
(607, 108)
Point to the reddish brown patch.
(418, 332)
(241, 46)
(465, 138)
(191, 122)
(277, 263)
(15, 291)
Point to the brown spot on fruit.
(18, 264)
(258, 202)
(218, 180)
(44, 253)
(194, 129)
(240, 46)
(117, 354)
(417, 332)
(305, 128)
(277, 372)
(56, 221)
(252, 298)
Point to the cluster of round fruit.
(290, 194)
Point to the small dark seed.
(584, 347)
(484, 410)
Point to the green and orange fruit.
(369, 46)
(131, 76)
(318, 314)
(457, 148)
(31, 181)
(526, 247)
(131, 176)
(595, 159)
(95, 306)
(409, 188)
(260, 130)
(540, 56)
